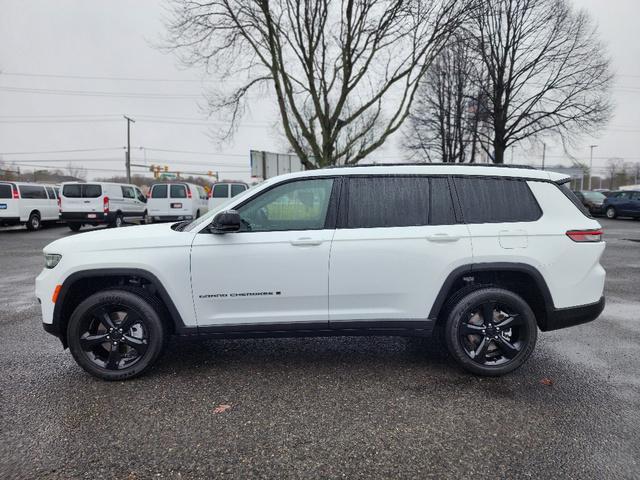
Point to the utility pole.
(128, 154)
(591, 164)
(544, 153)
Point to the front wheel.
(116, 334)
(611, 213)
(491, 331)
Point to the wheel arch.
(79, 285)
(520, 278)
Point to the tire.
(34, 222)
(94, 330)
(611, 213)
(118, 222)
(74, 227)
(501, 345)
(198, 214)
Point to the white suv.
(484, 256)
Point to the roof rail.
(496, 165)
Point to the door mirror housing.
(225, 222)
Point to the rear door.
(52, 205)
(179, 202)
(635, 204)
(158, 202)
(219, 195)
(82, 198)
(8, 205)
(397, 240)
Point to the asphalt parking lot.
(323, 407)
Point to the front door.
(275, 269)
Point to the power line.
(39, 152)
(105, 77)
(91, 93)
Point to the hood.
(130, 238)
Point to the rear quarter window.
(496, 200)
(571, 195)
(5, 191)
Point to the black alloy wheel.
(116, 334)
(491, 331)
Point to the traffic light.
(166, 168)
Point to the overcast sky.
(47, 103)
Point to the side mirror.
(225, 222)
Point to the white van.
(99, 203)
(223, 191)
(176, 201)
(30, 204)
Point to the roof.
(485, 170)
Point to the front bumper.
(568, 317)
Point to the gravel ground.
(324, 407)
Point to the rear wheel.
(116, 334)
(118, 222)
(74, 227)
(611, 212)
(491, 331)
(34, 222)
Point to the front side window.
(500, 200)
(159, 191)
(127, 192)
(300, 205)
(178, 191)
(33, 192)
(220, 191)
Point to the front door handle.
(443, 237)
(305, 242)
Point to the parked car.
(623, 204)
(592, 201)
(482, 256)
(169, 202)
(30, 204)
(221, 192)
(99, 203)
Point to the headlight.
(51, 259)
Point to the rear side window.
(178, 191)
(220, 191)
(5, 191)
(32, 191)
(159, 191)
(497, 200)
(398, 202)
(51, 193)
(237, 189)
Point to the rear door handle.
(443, 237)
(305, 242)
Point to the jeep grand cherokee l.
(483, 256)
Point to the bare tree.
(76, 172)
(444, 119)
(546, 71)
(344, 73)
(615, 166)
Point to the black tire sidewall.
(30, 225)
(74, 227)
(478, 297)
(152, 322)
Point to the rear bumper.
(83, 217)
(9, 220)
(568, 317)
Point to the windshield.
(205, 219)
(594, 196)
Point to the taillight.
(59, 204)
(105, 205)
(210, 193)
(188, 192)
(586, 235)
(16, 193)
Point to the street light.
(591, 164)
